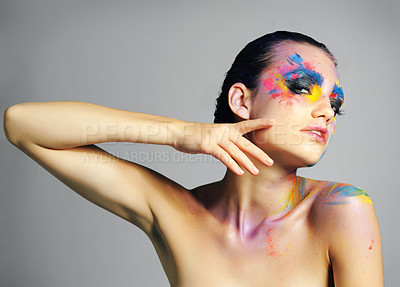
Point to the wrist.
(175, 130)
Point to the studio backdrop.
(169, 58)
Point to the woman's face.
(301, 90)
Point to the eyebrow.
(338, 92)
(302, 72)
(309, 76)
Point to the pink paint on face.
(308, 66)
(276, 82)
(294, 76)
(269, 83)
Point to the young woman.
(261, 225)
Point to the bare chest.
(196, 251)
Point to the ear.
(239, 99)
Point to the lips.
(318, 132)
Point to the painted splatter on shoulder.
(340, 193)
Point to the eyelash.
(336, 104)
(301, 88)
(298, 85)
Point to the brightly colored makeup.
(337, 98)
(340, 192)
(295, 195)
(294, 81)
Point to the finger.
(239, 156)
(255, 151)
(226, 159)
(251, 125)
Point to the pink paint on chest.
(270, 244)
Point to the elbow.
(10, 124)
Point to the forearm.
(64, 125)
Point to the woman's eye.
(298, 89)
(298, 86)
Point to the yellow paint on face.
(332, 127)
(315, 94)
(281, 82)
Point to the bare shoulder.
(345, 217)
(337, 200)
(341, 207)
(338, 193)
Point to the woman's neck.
(248, 201)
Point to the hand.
(224, 141)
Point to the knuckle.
(226, 158)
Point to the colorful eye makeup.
(337, 98)
(294, 80)
(298, 81)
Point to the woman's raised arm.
(65, 125)
(61, 137)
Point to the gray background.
(169, 59)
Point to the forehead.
(315, 58)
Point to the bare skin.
(265, 227)
(292, 250)
(287, 251)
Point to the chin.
(294, 161)
(295, 156)
(312, 154)
(309, 162)
(291, 151)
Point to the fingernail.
(269, 161)
(255, 170)
(240, 171)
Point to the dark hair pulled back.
(255, 57)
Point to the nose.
(323, 109)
